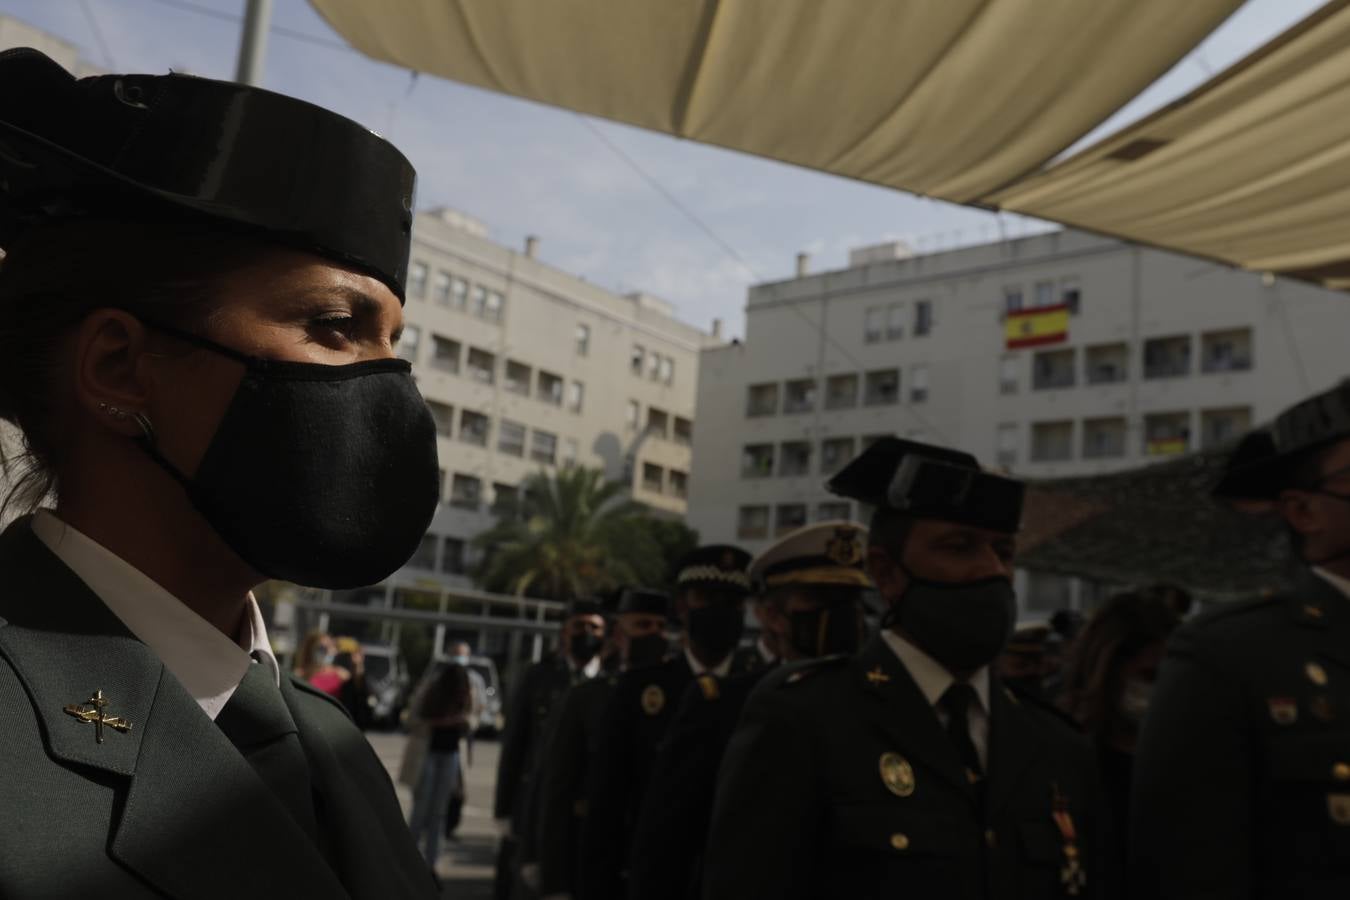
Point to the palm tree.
(573, 535)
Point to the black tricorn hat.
(1263, 462)
(931, 482)
(178, 147)
(644, 600)
(585, 606)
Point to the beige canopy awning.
(1252, 168)
(949, 98)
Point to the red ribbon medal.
(1071, 875)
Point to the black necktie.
(956, 702)
(258, 723)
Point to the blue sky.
(527, 169)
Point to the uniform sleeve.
(561, 774)
(609, 781)
(514, 747)
(1191, 808)
(674, 821)
(768, 808)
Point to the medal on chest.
(1071, 874)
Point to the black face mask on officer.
(583, 646)
(961, 624)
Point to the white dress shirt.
(765, 654)
(933, 681)
(720, 670)
(206, 663)
(590, 670)
(1340, 583)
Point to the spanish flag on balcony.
(1036, 326)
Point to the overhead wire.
(282, 30)
(89, 16)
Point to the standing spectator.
(443, 709)
(317, 662)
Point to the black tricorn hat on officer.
(719, 567)
(1266, 461)
(585, 606)
(930, 482)
(171, 148)
(644, 600)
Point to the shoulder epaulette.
(800, 671)
(1230, 608)
(708, 685)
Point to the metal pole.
(253, 42)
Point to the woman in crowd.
(443, 709)
(317, 662)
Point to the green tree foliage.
(574, 534)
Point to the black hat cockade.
(931, 482)
(716, 566)
(1264, 461)
(178, 147)
(644, 600)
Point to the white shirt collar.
(590, 670)
(720, 670)
(1339, 582)
(929, 674)
(765, 653)
(207, 663)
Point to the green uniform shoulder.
(791, 674)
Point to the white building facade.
(1142, 354)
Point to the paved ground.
(471, 859)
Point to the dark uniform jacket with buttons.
(169, 808)
(1242, 773)
(540, 689)
(841, 782)
(666, 862)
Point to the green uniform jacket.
(1242, 775)
(540, 689)
(804, 809)
(170, 808)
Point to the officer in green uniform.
(574, 738)
(908, 770)
(711, 592)
(809, 587)
(199, 304)
(1242, 770)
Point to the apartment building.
(1055, 355)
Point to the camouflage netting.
(1155, 523)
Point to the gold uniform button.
(900, 841)
(1341, 771)
(990, 838)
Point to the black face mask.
(583, 646)
(715, 630)
(963, 625)
(325, 476)
(836, 628)
(647, 650)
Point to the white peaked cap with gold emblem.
(833, 552)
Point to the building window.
(757, 461)
(466, 492)
(517, 378)
(918, 384)
(1107, 363)
(473, 428)
(576, 396)
(873, 323)
(1012, 298)
(1104, 438)
(1045, 293)
(667, 370)
(841, 391)
(833, 511)
(653, 478)
(440, 288)
(1005, 451)
(834, 453)
(505, 500)
(882, 388)
(511, 438)
(1051, 441)
(1071, 295)
(425, 555)
(684, 431)
(762, 400)
(923, 317)
(444, 417)
(1168, 357)
(1219, 426)
(631, 414)
(481, 366)
(654, 366)
(1167, 434)
(1226, 351)
(571, 451)
(789, 517)
(895, 322)
(794, 459)
(445, 354)
(752, 522)
(417, 281)
(452, 556)
(799, 396)
(1007, 375)
(408, 344)
(496, 302)
(583, 339)
(544, 447)
(637, 360)
(550, 388)
(1053, 369)
(679, 484)
(478, 300)
(459, 293)
(658, 423)
(440, 485)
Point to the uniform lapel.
(1014, 745)
(197, 821)
(900, 711)
(1324, 611)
